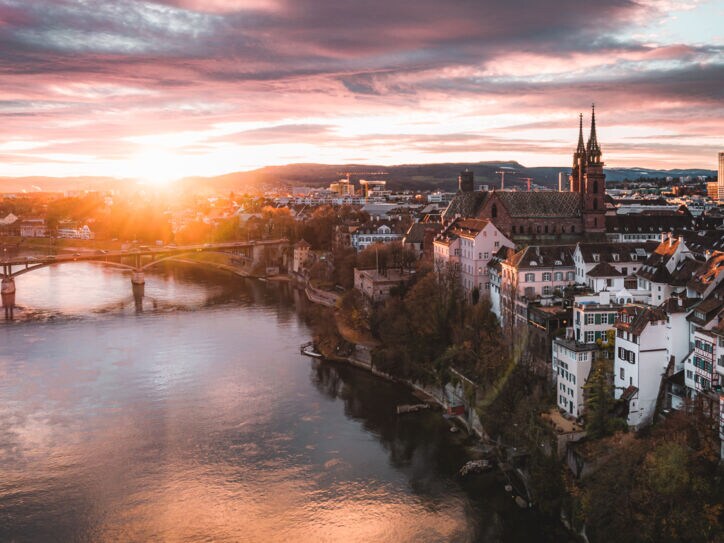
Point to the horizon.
(166, 89)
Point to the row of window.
(627, 355)
(547, 276)
(567, 375)
(565, 389)
(542, 229)
(598, 318)
(702, 364)
(704, 346)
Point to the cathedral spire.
(581, 149)
(593, 150)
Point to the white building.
(667, 270)
(84, 232)
(33, 228)
(301, 253)
(594, 316)
(640, 360)
(572, 363)
(605, 266)
(372, 233)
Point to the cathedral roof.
(465, 204)
(541, 204)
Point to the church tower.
(593, 188)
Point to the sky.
(167, 88)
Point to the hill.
(441, 176)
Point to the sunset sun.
(157, 168)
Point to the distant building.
(375, 232)
(420, 237)
(466, 181)
(343, 187)
(376, 285)
(301, 253)
(372, 188)
(720, 179)
(712, 190)
(70, 232)
(33, 228)
(561, 181)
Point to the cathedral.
(545, 215)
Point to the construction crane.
(502, 177)
(349, 174)
(528, 179)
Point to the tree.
(599, 401)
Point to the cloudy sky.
(167, 88)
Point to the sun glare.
(155, 168)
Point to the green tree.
(599, 401)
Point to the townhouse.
(639, 360)
(470, 244)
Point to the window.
(486, 255)
(589, 337)
(558, 276)
(529, 277)
(497, 244)
(589, 318)
(621, 374)
(570, 276)
(546, 276)
(547, 290)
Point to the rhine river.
(199, 420)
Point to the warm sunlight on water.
(210, 426)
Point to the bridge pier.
(138, 285)
(7, 291)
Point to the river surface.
(198, 420)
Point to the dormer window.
(596, 257)
(615, 257)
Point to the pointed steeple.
(593, 150)
(581, 149)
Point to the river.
(199, 420)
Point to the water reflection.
(209, 425)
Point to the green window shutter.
(597, 318)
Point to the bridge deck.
(93, 254)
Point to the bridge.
(137, 260)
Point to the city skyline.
(165, 89)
